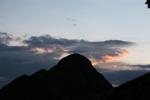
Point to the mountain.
(73, 78)
(136, 89)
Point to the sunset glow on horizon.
(109, 58)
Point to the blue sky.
(93, 20)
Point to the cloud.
(47, 40)
(120, 66)
(10, 39)
(103, 54)
(37, 52)
(101, 51)
(5, 38)
(112, 56)
(18, 60)
(72, 21)
(117, 43)
(143, 66)
(98, 52)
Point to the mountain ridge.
(73, 78)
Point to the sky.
(114, 35)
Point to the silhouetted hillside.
(136, 89)
(73, 78)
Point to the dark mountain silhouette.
(73, 78)
(136, 89)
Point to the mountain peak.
(72, 78)
(75, 58)
(75, 61)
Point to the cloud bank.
(37, 52)
(101, 51)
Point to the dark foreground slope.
(73, 78)
(136, 89)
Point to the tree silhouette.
(148, 3)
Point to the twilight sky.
(115, 35)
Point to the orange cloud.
(109, 58)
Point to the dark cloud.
(117, 43)
(97, 50)
(144, 66)
(10, 39)
(47, 40)
(5, 38)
